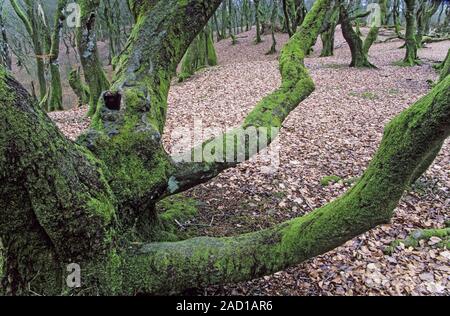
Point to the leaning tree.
(92, 201)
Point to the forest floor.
(334, 132)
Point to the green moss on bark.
(78, 87)
(411, 58)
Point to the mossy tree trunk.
(29, 18)
(91, 202)
(425, 12)
(300, 13)
(287, 18)
(224, 19)
(396, 18)
(78, 87)
(328, 32)
(247, 14)
(273, 20)
(230, 19)
(55, 101)
(219, 35)
(411, 57)
(445, 67)
(359, 57)
(257, 21)
(94, 73)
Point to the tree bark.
(411, 57)
(287, 19)
(258, 23)
(87, 46)
(327, 35)
(55, 102)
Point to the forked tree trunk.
(78, 87)
(287, 18)
(359, 57)
(29, 20)
(90, 202)
(425, 12)
(375, 28)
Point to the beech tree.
(35, 29)
(411, 57)
(354, 41)
(93, 71)
(257, 21)
(425, 10)
(92, 201)
(328, 31)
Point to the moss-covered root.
(78, 87)
(413, 240)
(408, 138)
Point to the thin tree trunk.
(286, 18)
(56, 99)
(87, 46)
(273, 19)
(258, 24)
(411, 58)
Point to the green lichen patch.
(367, 95)
(326, 181)
(439, 238)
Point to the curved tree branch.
(261, 125)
